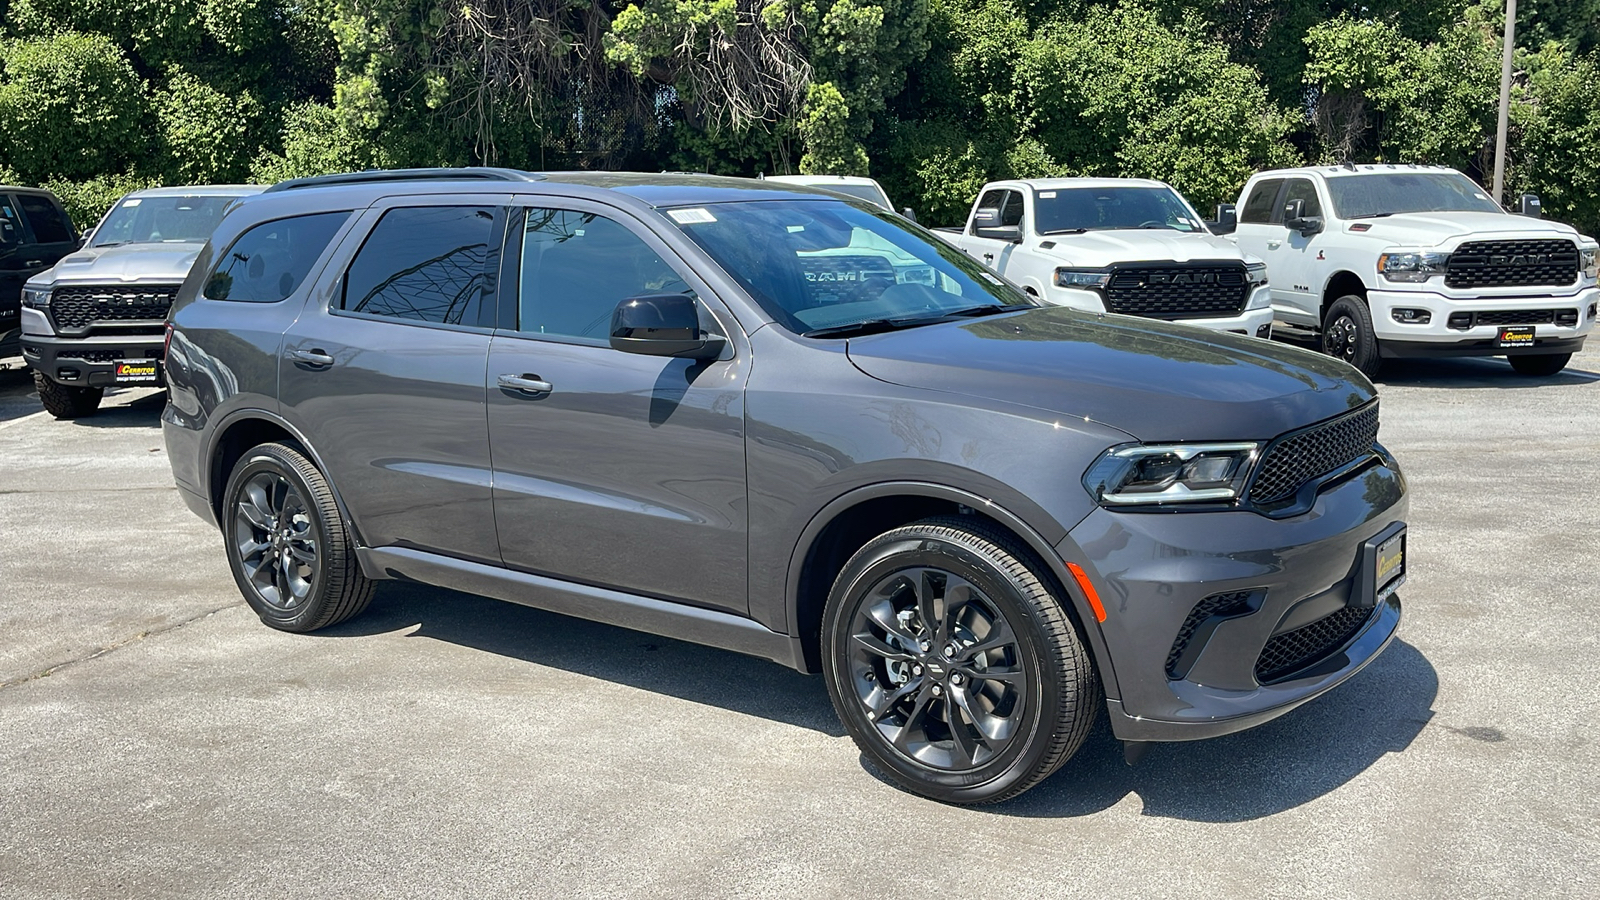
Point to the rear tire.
(1539, 364)
(287, 545)
(1347, 334)
(65, 402)
(954, 665)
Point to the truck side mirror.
(1227, 219)
(1530, 206)
(909, 213)
(985, 217)
(1012, 233)
(1294, 219)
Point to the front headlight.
(1090, 279)
(1587, 261)
(1150, 474)
(1255, 275)
(1412, 265)
(35, 298)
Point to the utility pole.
(1505, 101)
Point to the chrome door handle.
(526, 384)
(33, 262)
(311, 359)
(988, 257)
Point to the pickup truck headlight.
(1089, 279)
(1150, 474)
(1255, 274)
(35, 298)
(1412, 265)
(1587, 261)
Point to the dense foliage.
(933, 97)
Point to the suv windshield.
(1107, 208)
(1387, 193)
(824, 264)
(166, 219)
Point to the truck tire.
(1347, 334)
(290, 552)
(979, 704)
(1539, 364)
(65, 402)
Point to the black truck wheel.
(66, 402)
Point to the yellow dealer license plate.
(1516, 336)
(137, 371)
(1390, 571)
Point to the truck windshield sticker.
(1047, 195)
(134, 202)
(696, 216)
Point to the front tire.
(287, 545)
(1539, 364)
(1347, 334)
(953, 664)
(65, 402)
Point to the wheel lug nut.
(916, 670)
(949, 649)
(937, 690)
(926, 646)
(956, 678)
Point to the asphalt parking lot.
(157, 740)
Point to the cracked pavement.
(157, 740)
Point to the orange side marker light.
(1088, 591)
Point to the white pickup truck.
(1116, 245)
(1394, 261)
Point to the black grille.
(1298, 458)
(845, 279)
(1463, 321)
(1224, 605)
(1178, 292)
(75, 310)
(1294, 650)
(1512, 264)
(103, 356)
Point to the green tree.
(71, 105)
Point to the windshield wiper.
(988, 309)
(870, 326)
(1064, 231)
(1373, 216)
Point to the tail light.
(166, 344)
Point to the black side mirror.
(909, 213)
(1227, 219)
(1012, 233)
(1295, 220)
(662, 325)
(1530, 206)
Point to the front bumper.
(1153, 569)
(1437, 338)
(95, 361)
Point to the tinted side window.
(1258, 208)
(576, 268)
(50, 225)
(1011, 214)
(269, 261)
(425, 264)
(10, 222)
(1303, 189)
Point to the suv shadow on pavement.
(1249, 775)
(1257, 773)
(139, 412)
(1473, 372)
(699, 674)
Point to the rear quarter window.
(268, 262)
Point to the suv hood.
(159, 263)
(1431, 229)
(1094, 249)
(1154, 380)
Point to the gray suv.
(782, 422)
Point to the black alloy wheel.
(1347, 334)
(286, 543)
(955, 668)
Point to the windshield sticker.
(1047, 195)
(794, 229)
(696, 216)
(134, 202)
(991, 279)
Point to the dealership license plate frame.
(1389, 567)
(1516, 337)
(149, 371)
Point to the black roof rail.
(376, 176)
